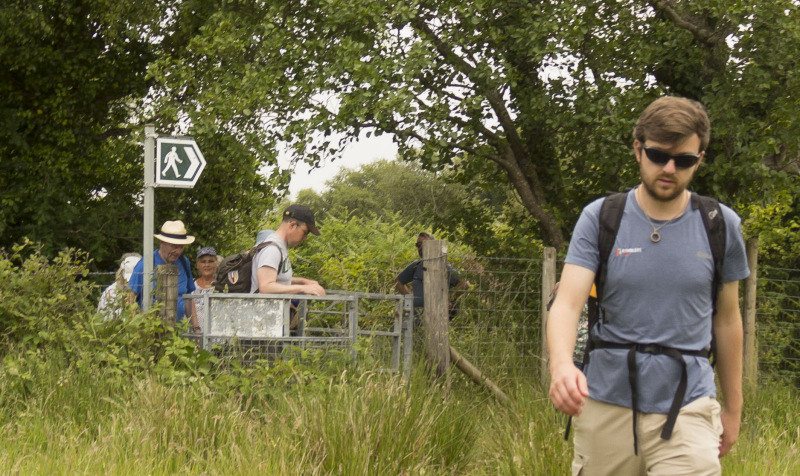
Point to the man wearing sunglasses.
(657, 316)
(272, 270)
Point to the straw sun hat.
(174, 232)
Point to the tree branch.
(701, 34)
(492, 95)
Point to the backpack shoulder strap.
(610, 218)
(186, 266)
(260, 247)
(264, 245)
(714, 223)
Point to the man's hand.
(314, 289)
(568, 389)
(731, 423)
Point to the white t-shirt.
(274, 256)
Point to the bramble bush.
(40, 299)
(48, 320)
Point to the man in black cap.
(272, 270)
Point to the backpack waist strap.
(654, 349)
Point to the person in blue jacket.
(173, 239)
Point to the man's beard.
(676, 192)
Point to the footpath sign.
(179, 162)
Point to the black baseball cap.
(302, 213)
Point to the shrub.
(40, 299)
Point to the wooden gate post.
(167, 292)
(435, 286)
(548, 283)
(750, 355)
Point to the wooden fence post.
(548, 282)
(435, 286)
(167, 292)
(750, 355)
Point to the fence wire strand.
(497, 325)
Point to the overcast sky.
(363, 151)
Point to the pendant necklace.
(655, 236)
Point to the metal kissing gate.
(274, 326)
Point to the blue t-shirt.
(185, 281)
(413, 274)
(655, 293)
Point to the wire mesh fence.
(497, 326)
(778, 323)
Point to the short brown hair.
(672, 120)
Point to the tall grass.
(76, 423)
(71, 421)
(769, 442)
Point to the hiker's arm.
(568, 389)
(401, 288)
(267, 284)
(728, 336)
(193, 319)
(309, 286)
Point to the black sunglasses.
(682, 161)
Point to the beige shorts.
(604, 441)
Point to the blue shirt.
(185, 281)
(655, 293)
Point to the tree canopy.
(539, 95)
(487, 217)
(545, 92)
(75, 93)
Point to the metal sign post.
(170, 162)
(149, 206)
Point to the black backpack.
(611, 213)
(234, 274)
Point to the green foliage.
(542, 98)
(47, 312)
(67, 71)
(93, 423)
(779, 322)
(39, 300)
(775, 224)
(361, 253)
(125, 397)
(77, 90)
(768, 442)
(484, 216)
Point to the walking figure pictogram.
(172, 160)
